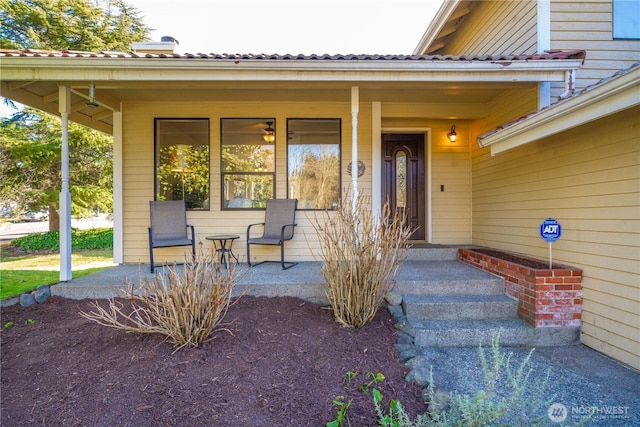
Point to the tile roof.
(559, 55)
(561, 101)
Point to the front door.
(403, 179)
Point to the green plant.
(31, 322)
(8, 325)
(375, 379)
(361, 254)
(522, 403)
(350, 376)
(186, 307)
(95, 238)
(341, 415)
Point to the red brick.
(560, 273)
(564, 287)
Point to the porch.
(437, 263)
(442, 302)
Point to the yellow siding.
(138, 174)
(589, 180)
(587, 25)
(497, 27)
(451, 167)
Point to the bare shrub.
(185, 306)
(361, 254)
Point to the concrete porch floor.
(303, 281)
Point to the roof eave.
(605, 99)
(34, 69)
(437, 24)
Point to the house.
(466, 135)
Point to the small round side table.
(222, 243)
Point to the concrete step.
(427, 287)
(459, 307)
(464, 333)
(442, 253)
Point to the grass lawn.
(23, 273)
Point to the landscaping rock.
(396, 311)
(42, 293)
(27, 300)
(404, 338)
(393, 298)
(439, 402)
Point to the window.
(248, 162)
(182, 161)
(626, 19)
(313, 155)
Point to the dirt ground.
(283, 366)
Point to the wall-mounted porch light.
(92, 96)
(452, 135)
(269, 133)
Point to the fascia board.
(437, 24)
(38, 69)
(601, 101)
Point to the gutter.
(607, 97)
(133, 69)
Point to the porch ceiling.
(43, 95)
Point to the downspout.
(64, 100)
(544, 45)
(355, 106)
(569, 84)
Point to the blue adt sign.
(550, 230)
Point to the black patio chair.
(278, 227)
(169, 227)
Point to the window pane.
(182, 161)
(247, 191)
(248, 162)
(313, 156)
(626, 19)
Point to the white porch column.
(355, 108)
(376, 158)
(118, 236)
(64, 101)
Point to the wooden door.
(403, 179)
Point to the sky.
(289, 26)
(286, 26)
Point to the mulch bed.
(283, 366)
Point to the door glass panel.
(401, 180)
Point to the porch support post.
(64, 101)
(118, 236)
(355, 108)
